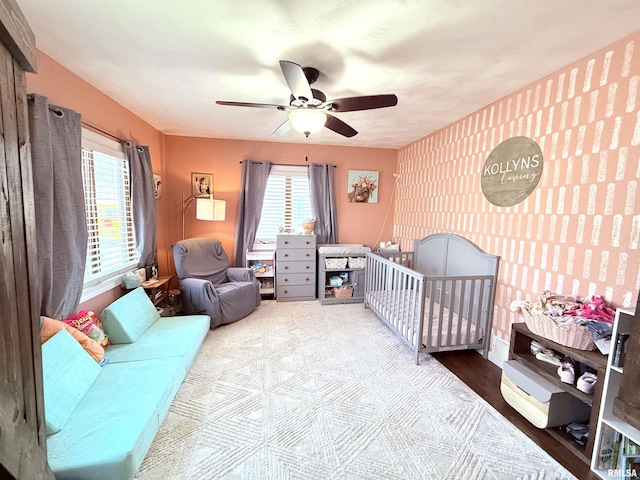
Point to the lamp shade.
(307, 120)
(210, 209)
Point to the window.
(287, 202)
(111, 248)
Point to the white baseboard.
(499, 351)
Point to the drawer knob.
(286, 291)
(286, 268)
(286, 279)
(307, 267)
(286, 242)
(286, 254)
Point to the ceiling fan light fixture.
(307, 120)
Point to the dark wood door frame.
(23, 452)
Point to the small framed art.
(157, 185)
(202, 184)
(363, 186)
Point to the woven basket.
(357, 262)
(569, 334)
(335, 263)
(343, 292)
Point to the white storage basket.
(335, 263)
(357, 262)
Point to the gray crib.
(443, 302)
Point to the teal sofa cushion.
(126, 319)
(68, 372)
(113, 427)
(167, 337)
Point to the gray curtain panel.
(61, 224)
(254, 185)
(323, 202)
(143, 202)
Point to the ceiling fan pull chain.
(306, 158)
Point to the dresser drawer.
(296, 241)
(296, 255)
(295, 292)
(297, 279)
(284, 268)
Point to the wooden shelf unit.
(519, 349)
(158, 290)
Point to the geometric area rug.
(298, 390)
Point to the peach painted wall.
(68, 90)
(579, 231)
(357, 222)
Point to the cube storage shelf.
(352, 276)
(617, 450)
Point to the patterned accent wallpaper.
(579, 231)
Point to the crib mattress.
(400, 309)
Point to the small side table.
(158, 289)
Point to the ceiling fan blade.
(339, 126)
(366, 102)
(248, 104)
(296, 80)
(282, 129)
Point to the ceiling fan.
(309, 108)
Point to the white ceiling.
(168, 61)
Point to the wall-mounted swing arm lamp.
(207, 208)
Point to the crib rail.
(403, 258)
(396, 294)
(458, 312)
(434, 313)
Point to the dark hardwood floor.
(484, 378)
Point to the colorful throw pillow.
(88, 323)
(49, 327)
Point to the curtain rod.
(104, 132)
(282, 164)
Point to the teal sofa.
(101, 420)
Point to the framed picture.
(157, 185)
(202, 184)
(363, 186)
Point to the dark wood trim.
(22, 431)
(17, 36)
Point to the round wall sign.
(512, 171)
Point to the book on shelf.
(630, 448)
(629, 467)
(609, 451)
(618, 349)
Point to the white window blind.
(105, 170)
(287, 202)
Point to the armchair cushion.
(209, 285)
(237, 274)
(201, 258)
